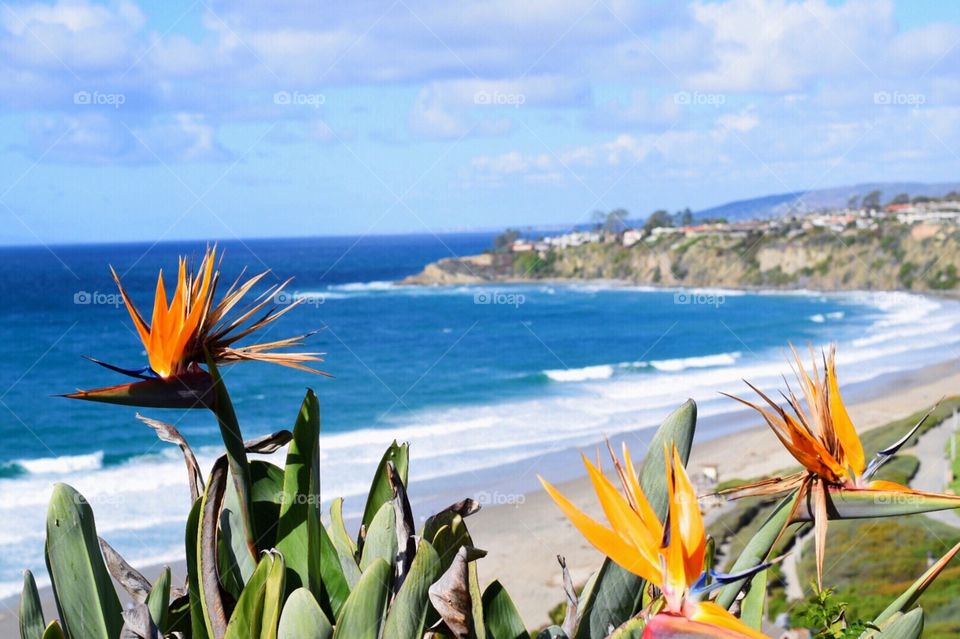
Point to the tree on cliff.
(657, 219)
(505, 240)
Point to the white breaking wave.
(706, 361)
(604, 371)
(63, 464)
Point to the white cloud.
(98, 138)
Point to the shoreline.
(523, 531)
(614, 283)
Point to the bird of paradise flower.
(836, 481)
(192, 329)
(669, 556)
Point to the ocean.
(477, 378)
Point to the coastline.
(524, 532)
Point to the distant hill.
(805, 201)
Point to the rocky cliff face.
(894, 257)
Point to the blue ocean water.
(474, 376)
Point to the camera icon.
(482, 298)
(82, 97)
(82, 297)
(681, 97)
(882, 97)
(681, 298)
(282, 98)
(282, 298)
(482, 97)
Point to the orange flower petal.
(603, 539)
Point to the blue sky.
(232, 118)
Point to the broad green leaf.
(381, 539)
(334, 588)
(300, 498)
(616, 594)
(362, 614)
(302, 618)
(408, 613)
(86, 600)
(236, 564)
(756, 550)
(380, 490)
(31, 611)
(338, 531)
(273, 597)
(253, 614)
(751, 608)
(500, 614)
(899, 626)
(158, 601)
(197, 624)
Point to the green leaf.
(158, 601)
(235, 562)
(300, 498)
(756, 550)
(302, 618)
(338, 531)
(408, 613)
(362, 613)
(53, 631)
(910, 596)
(899, 626)
(751, 608)
(257, 611)
(616, 593)
(273, 597)
(31, 611)
(380, 490)
(381, 539)
(86, 600)
(500, 614)
(552, 632)
(197, 623)
(334, 588)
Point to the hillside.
(889, 257)
(817, 199)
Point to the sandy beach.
(523, 538)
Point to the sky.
(124, 121)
